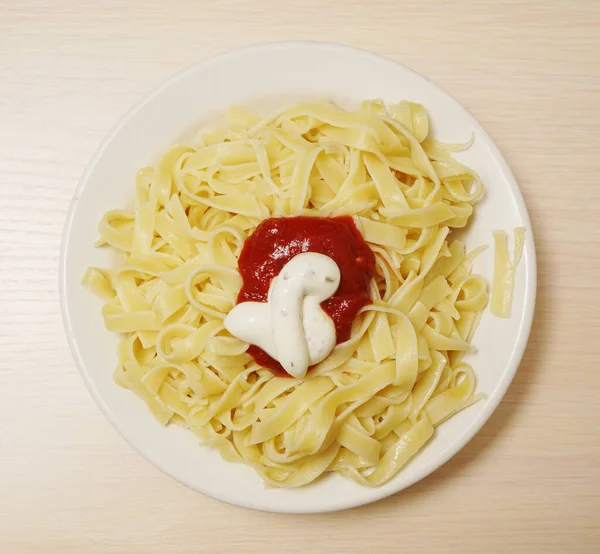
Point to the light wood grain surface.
(529, 71)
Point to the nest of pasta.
(368, 408)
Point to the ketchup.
(277, 240)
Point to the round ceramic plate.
(268, 77)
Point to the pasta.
(503, 282)
(375, 401)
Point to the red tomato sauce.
(277, 240)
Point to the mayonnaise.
(291, 326)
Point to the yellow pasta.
(504, 271)
(371, 405)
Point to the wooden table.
(529, 71)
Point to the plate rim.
(530, 284)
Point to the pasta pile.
(374, 402)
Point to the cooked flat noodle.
(503, 282)
(368, 408)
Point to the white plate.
(270, 76)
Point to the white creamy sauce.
(291, 326)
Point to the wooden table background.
(529, 71)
